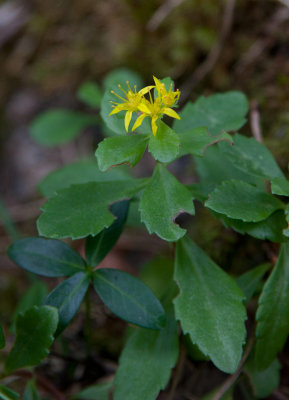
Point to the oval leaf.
(146, 362)
(128, 298)
(79, 172)
(55, 127)
(218, 113)
(273, 312)
(209, 306)
(82, 210)
(67, 298)
(164, 147)
(163, 199)
(90, 93)
(240, 200)
(96, 248)
(34, 336)
(46, 257)
(121, 149)
(30, 392)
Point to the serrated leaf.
(34, 336)
(263, 382)
(164, 146)
(280, 186)
(209, 306)
(162, 200)
(250, 281)
(46, 257)
(240, 200)
(97, 247)
(30, 392)
(90, 93)
(82, 210)
(128, 298)
(146, 362)
(99, 391)
(118, 77)
(34, 296)
(273, 312)
(214, 168)
(270, 228)
(55, 127)
(2, 338)
(67, 298)
(197, 140)
(8, 394)
(83, 171)
(251, 156)
(218, 113)
(121, 149)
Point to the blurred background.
(48, 49)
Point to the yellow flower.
(130, 103)
(155, 110)
(169, 98)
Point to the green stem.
(88, 329)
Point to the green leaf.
(83, 171)
(270, 228)
(197, 140)
(250, 281)
(55, 127)
(164, 147)
(8, 394)
(67, 298)
(163, 199)
(218, 113)
(214, 168)
(96, 248)
(263, 382)
(280, 186)
(146, 362)
(34, 335)
(128, 298)
(252, 157)
(34, 296)
(2, 338)
(99, 391)
(121, 149)
(209, 306)
(30, 392)
(119, 77)
(158, 275)
(240, 200)
(90, 93)
(273, 312)
(46, 257)
(82, 210)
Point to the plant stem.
(88, 329)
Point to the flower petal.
(154, 125)
(171, 113)
(116, 109)
(145, 90)
(127, 119)
(144, 108)
(139, 121)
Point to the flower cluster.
(134, 101)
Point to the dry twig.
(162, 12)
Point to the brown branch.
(205, 67)
(255, 121)
(162, 12)
(232, 378)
